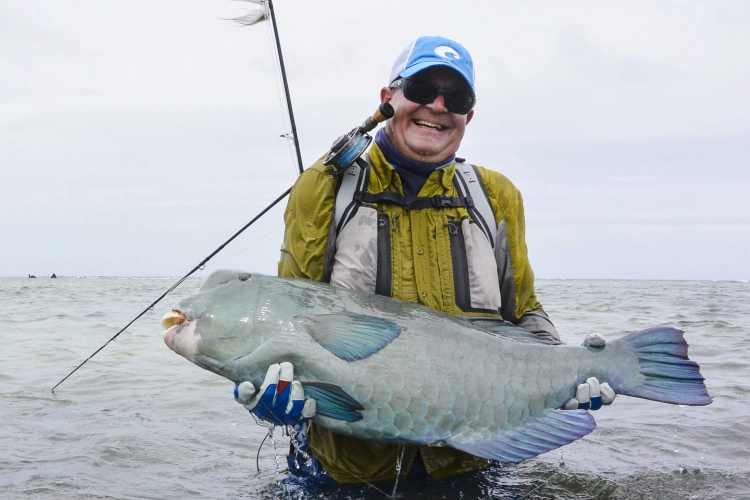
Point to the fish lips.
(183, 312)
(180, 334)
(173, 318)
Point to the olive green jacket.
(423, 272)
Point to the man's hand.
(281, 399)
(591, 396)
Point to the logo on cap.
(447, 52)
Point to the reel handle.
(384, 112)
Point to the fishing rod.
(202, 264)
(286, 87)
(343, 153)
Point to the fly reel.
(347, 148)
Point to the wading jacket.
(437, 257)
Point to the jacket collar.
(383, 176)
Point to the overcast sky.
(136, 137)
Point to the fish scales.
(421, 376)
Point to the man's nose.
(438, 104)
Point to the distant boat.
(32, 276)
(53, 275)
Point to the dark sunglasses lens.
(457, 101)
(420, 92)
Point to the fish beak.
(172, 318)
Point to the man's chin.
(428, 153)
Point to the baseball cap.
(428, 51)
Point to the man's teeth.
(428, 124)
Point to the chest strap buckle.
(440, 201)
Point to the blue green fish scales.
(392, 371)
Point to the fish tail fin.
(664, 371)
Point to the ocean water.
(140, 422)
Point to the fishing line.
(250, 246)
(270, 428)
(399, 460)
(286, 86)
(319, 452)
(279, 84)
(292, 433)
(257, 455)
(266, 4)
(545, 482)
(562, 461)
(201, 265)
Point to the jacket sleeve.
(307, 219)
(519, 303)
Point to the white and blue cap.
(428, 51)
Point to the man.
(399, 244)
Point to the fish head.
(232, 314)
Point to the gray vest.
(359, 258)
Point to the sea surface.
(140, 422)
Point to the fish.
(393, 371)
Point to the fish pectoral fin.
(551, 430)
(350, 336)
(333, 401)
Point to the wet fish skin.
(423, 377)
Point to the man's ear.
(469, 116)
(386, 94)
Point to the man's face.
(428, 133)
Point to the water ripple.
(140, 422)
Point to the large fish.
(388, 370)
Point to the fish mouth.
(180, 334)
(172, 319)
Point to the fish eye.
(243, 276)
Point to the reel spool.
(347, 148)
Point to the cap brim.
(413, 70)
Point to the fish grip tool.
(346, 149)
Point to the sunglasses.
(457, 101)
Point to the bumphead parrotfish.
(393, 371)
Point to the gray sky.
(136, 137)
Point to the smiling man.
(429, 132)
(421, 225)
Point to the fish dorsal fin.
(504, 329)
(551, 430)
(350, 336)
(333, 401)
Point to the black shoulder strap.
(352, 191)
(417, 202)
(352, 182)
